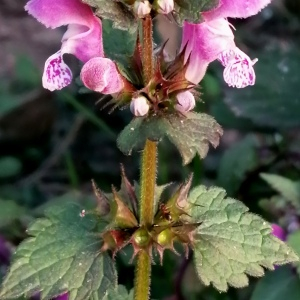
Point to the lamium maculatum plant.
(71, 252)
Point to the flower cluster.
(202, 43)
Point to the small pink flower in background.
(213, 39)
(62, 297)
(101, 75)
(278, 232)
(83, 37)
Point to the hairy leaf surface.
(116, 11)
(232, 243)
(61, 255)
(190, 10)
(191, 134)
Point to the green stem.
(148, 180)
(148, 176)
(142, 277)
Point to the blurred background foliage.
(53, 144)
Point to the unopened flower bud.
(164, 6)
(141, 238)
(142, 8)
(185, 102)
(139, 106)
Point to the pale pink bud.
(142, 8)
(185, 102)
(139, 106)
(164, 6)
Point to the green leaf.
(120, 294)
(189, 10)
(191, 134)
(294, 241)
(61, 255)
(118, 12)
(122, 43)
(232, 243)
(278, 285)
(9, 167)
(236, 162)
(288, 189)
(10, 211)
(268, 104)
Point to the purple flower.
(62, 297)
(278, 232)
(213, 39)
(4, 252)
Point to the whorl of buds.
(142, 8)
(185, 102)
(139, 106)
(164, 6)
(172, 222)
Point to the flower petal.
(101, 75)
(55, 13)
(204, 42)
(84, 35)
(238, 70)
(236, 9)
(85, 43)
(56, 74)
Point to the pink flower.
(83, 37)
(278, 232)
(101, 75)
(62, 297)
(213, 39)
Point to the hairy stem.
(142, 277)
(148, 179)
(147, 54)
(148, 176)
